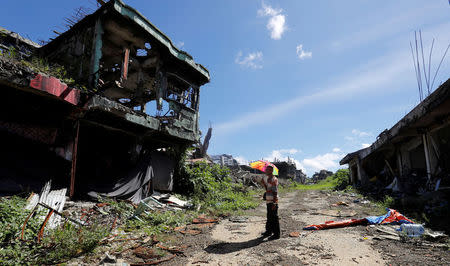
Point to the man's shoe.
(266, 234)
(273, 237)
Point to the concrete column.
(427, 156)
(399, 163)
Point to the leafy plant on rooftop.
(41, 65)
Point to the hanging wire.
(437, 70)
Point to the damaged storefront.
(411, 157)
(106, 108)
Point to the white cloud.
(277, 21)
(281, 154)
(302, 54)
(378, 76)
(252, 60)
(365, 145)
(336, 150)
(241, 160)
(361, 133)
(325, 161)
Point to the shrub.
(213, 188)
(341, 179)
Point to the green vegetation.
(213, 190)
(40, 65)
(210, 188)
(10, 53)
(158, 222)
(58, 245)
(337, 181)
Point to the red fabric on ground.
(395, 216)
(336, 224)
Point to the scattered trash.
(171, 200)
(109, 258)
(339, 203)
(190, 232)
(173, 250)
(203, 225)
(178, 228)
(391, 217)
(391, 237)
(335, 213)
(434, 236)
(200, 261)
(388, 230)
(239, 219)
(337, 224)
(204, 220)
(294, 234)
(412, 230)
(145, 253)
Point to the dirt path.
(236, 241)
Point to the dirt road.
(237, 241)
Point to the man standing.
(272, 223)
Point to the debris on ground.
(391, 217)
(294, 234)
(340, 203)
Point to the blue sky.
(312, 80)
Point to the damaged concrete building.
(321, 175)
(126, 109)
(286, 169)
(412, 156)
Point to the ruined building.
(105, 108)
(224, 160)
(286, 169)
(321, 175)
(414, 155)
(300, 177)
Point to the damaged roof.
(118, 7)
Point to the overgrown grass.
(159, 222)
(58, 245)
(337, 181)
(215, 192)
(211, 189)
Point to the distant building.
(323, 174)
(286, 169)
(224, 160)
(300, 177)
